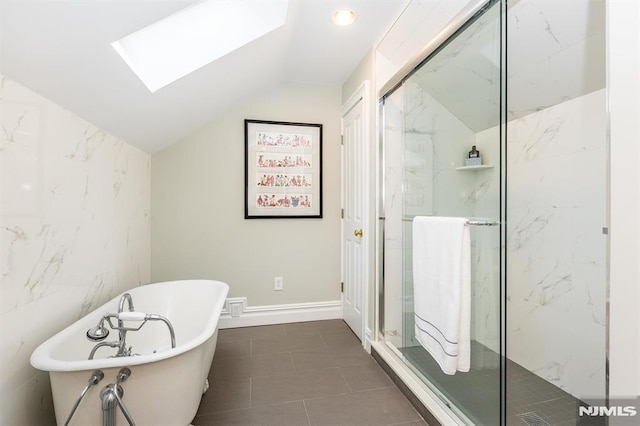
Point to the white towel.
(442, 290)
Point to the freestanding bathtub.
(166, 384)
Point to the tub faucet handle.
(123, 375)
(96, 376)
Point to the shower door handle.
(357, 233)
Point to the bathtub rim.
(41, 358)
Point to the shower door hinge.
(342, 213)
(342, 287)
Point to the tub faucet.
(122, 349)
(125, 297)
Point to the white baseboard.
(249, 316)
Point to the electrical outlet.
(236, 309)
(278, 283)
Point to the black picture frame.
(283, 170)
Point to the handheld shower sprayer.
(99, 332)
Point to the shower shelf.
(467, 168)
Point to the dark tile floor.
(312, 373)
(530, 396)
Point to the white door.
(354, 193)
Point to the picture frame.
(283, 170)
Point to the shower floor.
(531, 400)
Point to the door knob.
(357, 233)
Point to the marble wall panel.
(418, 25)
(424, 145)
(393, 211)
(556, 252)
(450, 140)
(74, 232)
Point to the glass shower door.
(447, 106)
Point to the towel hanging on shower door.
(442, 289)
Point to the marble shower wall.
(425, 144)
(74, 233)
(556, 252)
(435, 145)
(393, 211)
(485, 246)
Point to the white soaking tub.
(166, 384)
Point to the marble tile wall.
(74, 232)
(556, 52)
(393, 211)
(424, 145)
(485, 249)
(418, 25)
(445, 141)
(556, 251)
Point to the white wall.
(74, 233)
(197, 200)
(623, 75)
(364, 71)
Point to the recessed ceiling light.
(344, 17)
(181, 43)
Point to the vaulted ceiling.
(62, 50)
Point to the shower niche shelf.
(471, 168)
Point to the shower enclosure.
(524, 84)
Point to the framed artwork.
(283, 170)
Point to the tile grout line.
(345, 380)
(304, 403)
(323, 340)
(293, 363)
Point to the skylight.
(181, 43)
